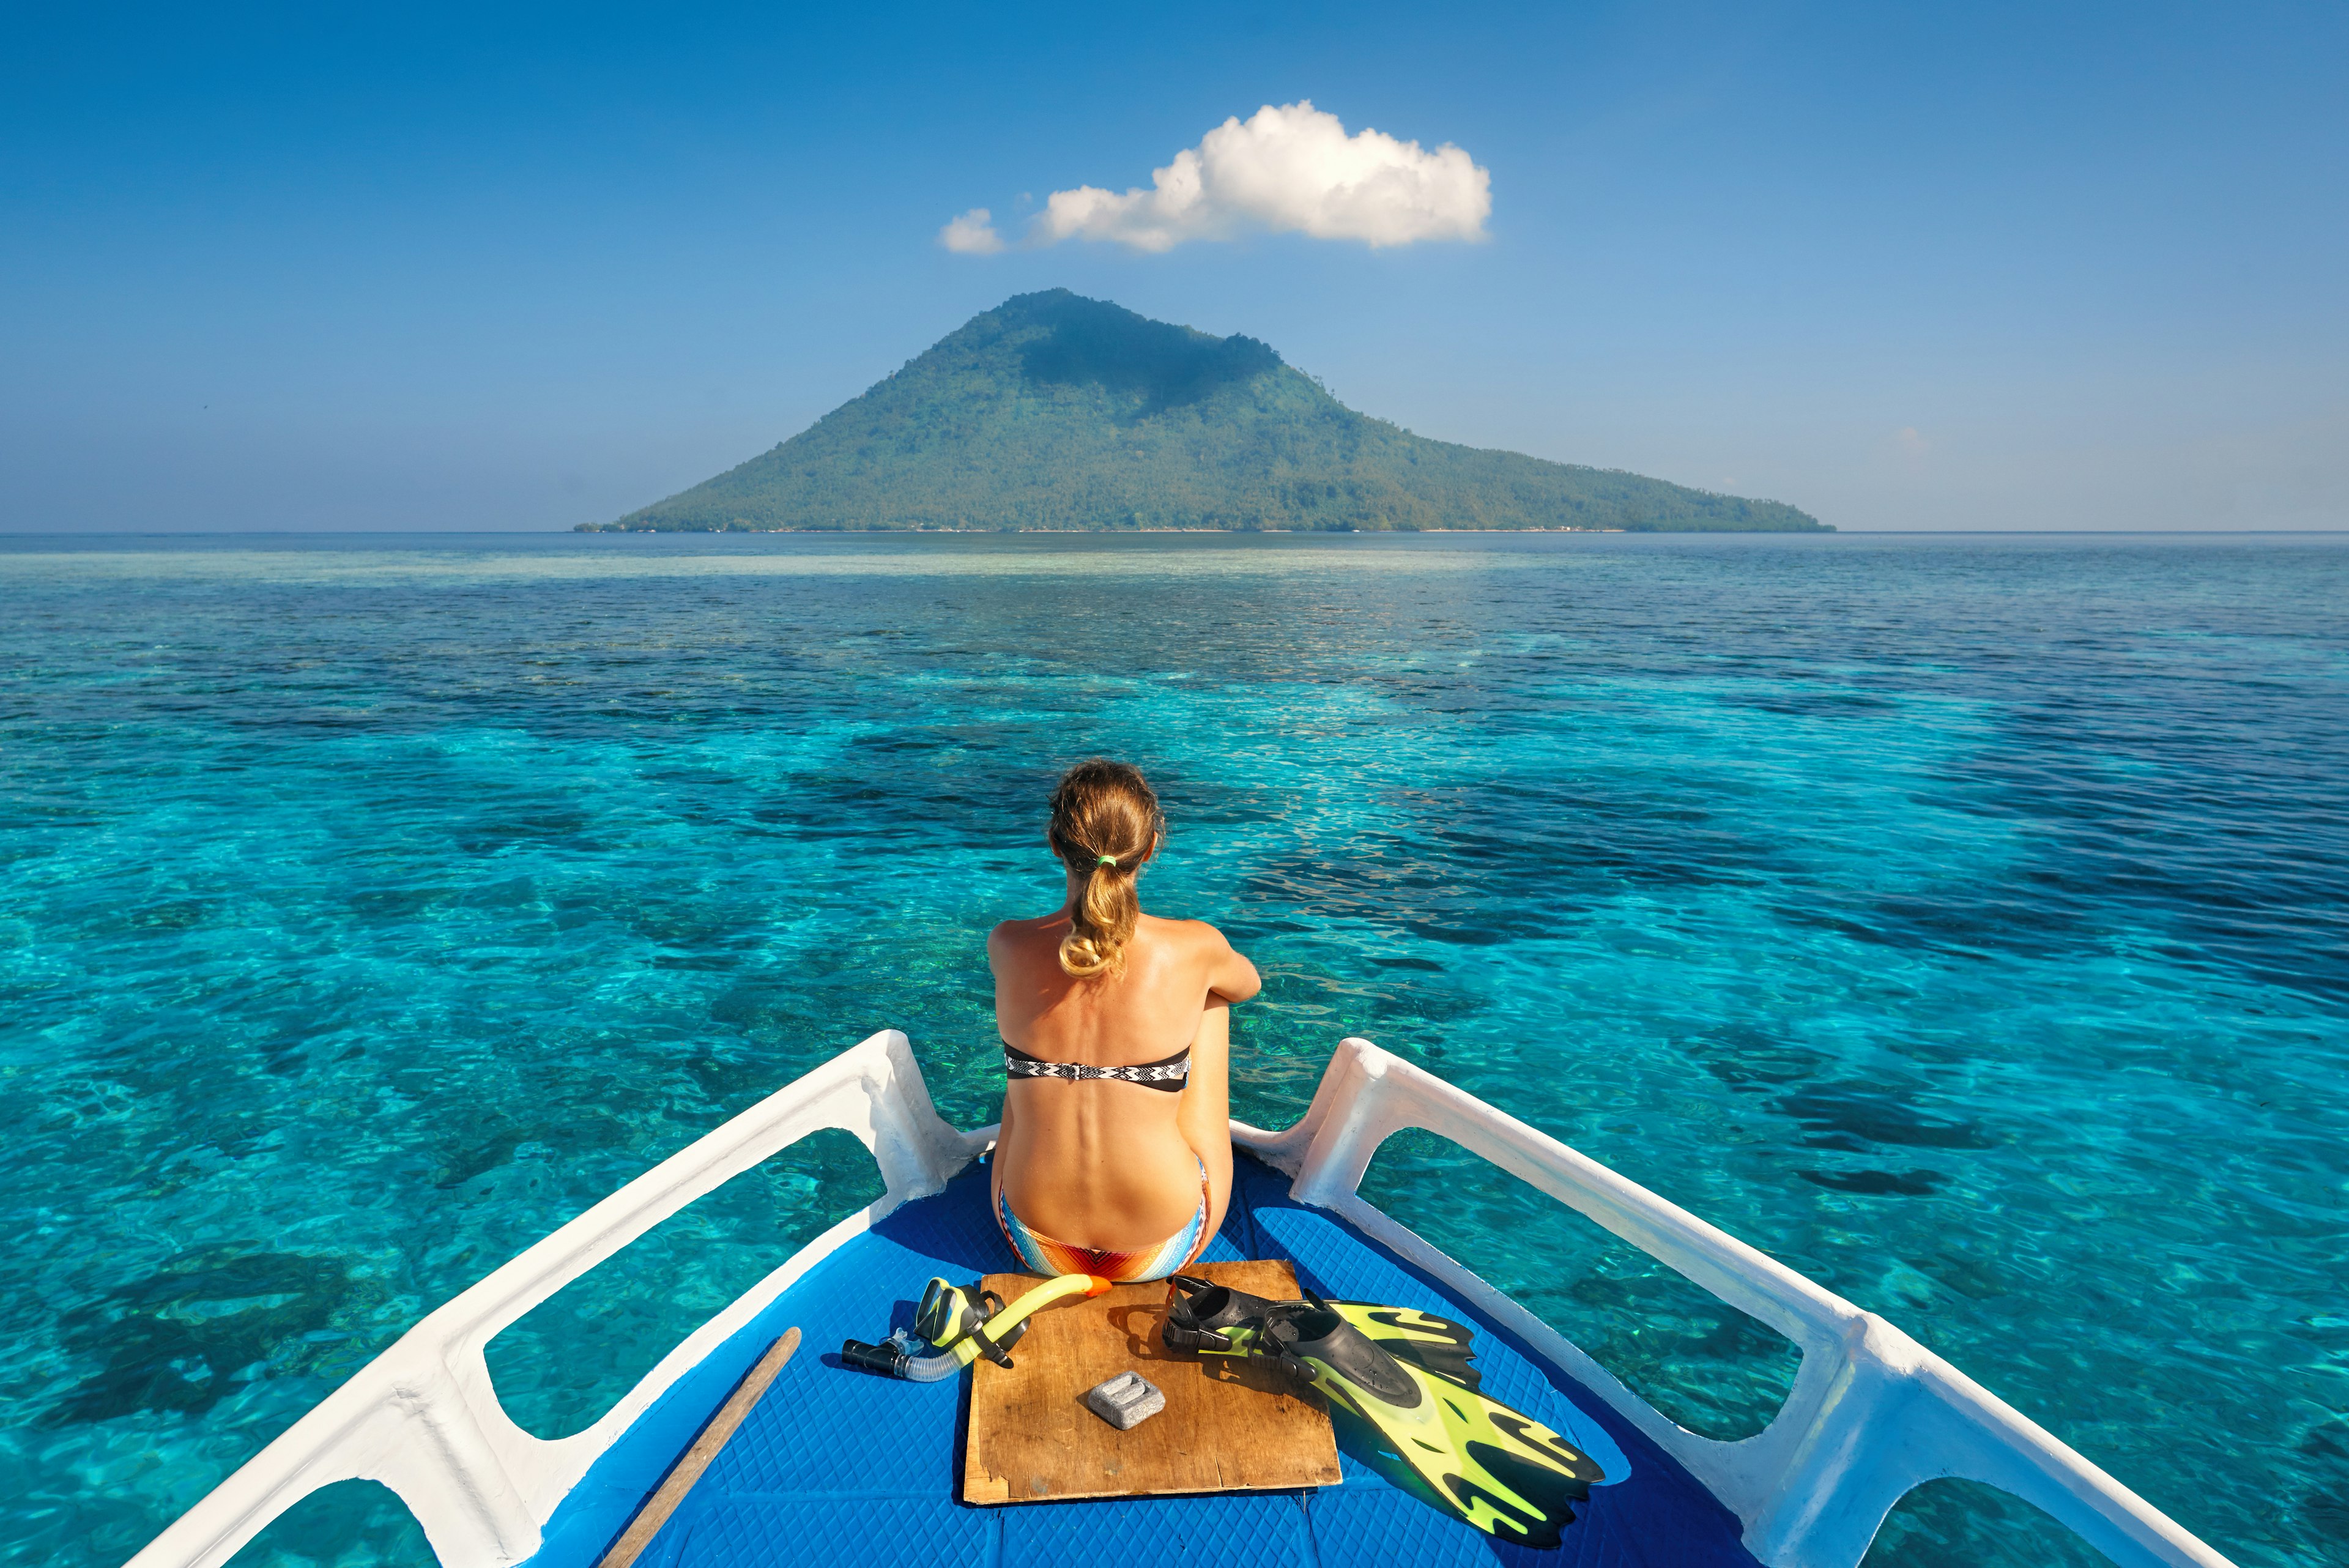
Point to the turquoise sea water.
(1964, 920)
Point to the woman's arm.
(1204, 1117)
(995, 1160)
(1230, 977)
(1003, 1126)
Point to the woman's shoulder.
(1199, 949)
(1196, 935)
(1018, 930)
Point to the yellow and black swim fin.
(1436, 1344)
(1404, 1373)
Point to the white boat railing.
(423, 1417)
(1872, 1414)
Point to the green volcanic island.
(1055, 412)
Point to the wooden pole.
(687, 1470)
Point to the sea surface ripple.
(1963, 920)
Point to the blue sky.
(1975, 266)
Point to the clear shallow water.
(1960, 919)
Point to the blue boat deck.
(837, 1466)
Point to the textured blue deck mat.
(838, 1468)
(1243, 1530)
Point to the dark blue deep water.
(1963, 920)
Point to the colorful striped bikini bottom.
(1043, 1255)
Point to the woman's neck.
(1075, 890)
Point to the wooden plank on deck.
(1229, 1424)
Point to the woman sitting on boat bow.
(1115, 1156)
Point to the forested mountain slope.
(1056, 412)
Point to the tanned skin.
(1101, 1163)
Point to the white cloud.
(1286, 169)
(972, 234)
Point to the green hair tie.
(1109, 860)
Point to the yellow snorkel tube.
(961, 1323)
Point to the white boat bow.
(1872, 1414)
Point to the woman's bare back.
(1107, 1163)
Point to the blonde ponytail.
(1105, 824)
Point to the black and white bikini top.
(1168, 1073)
